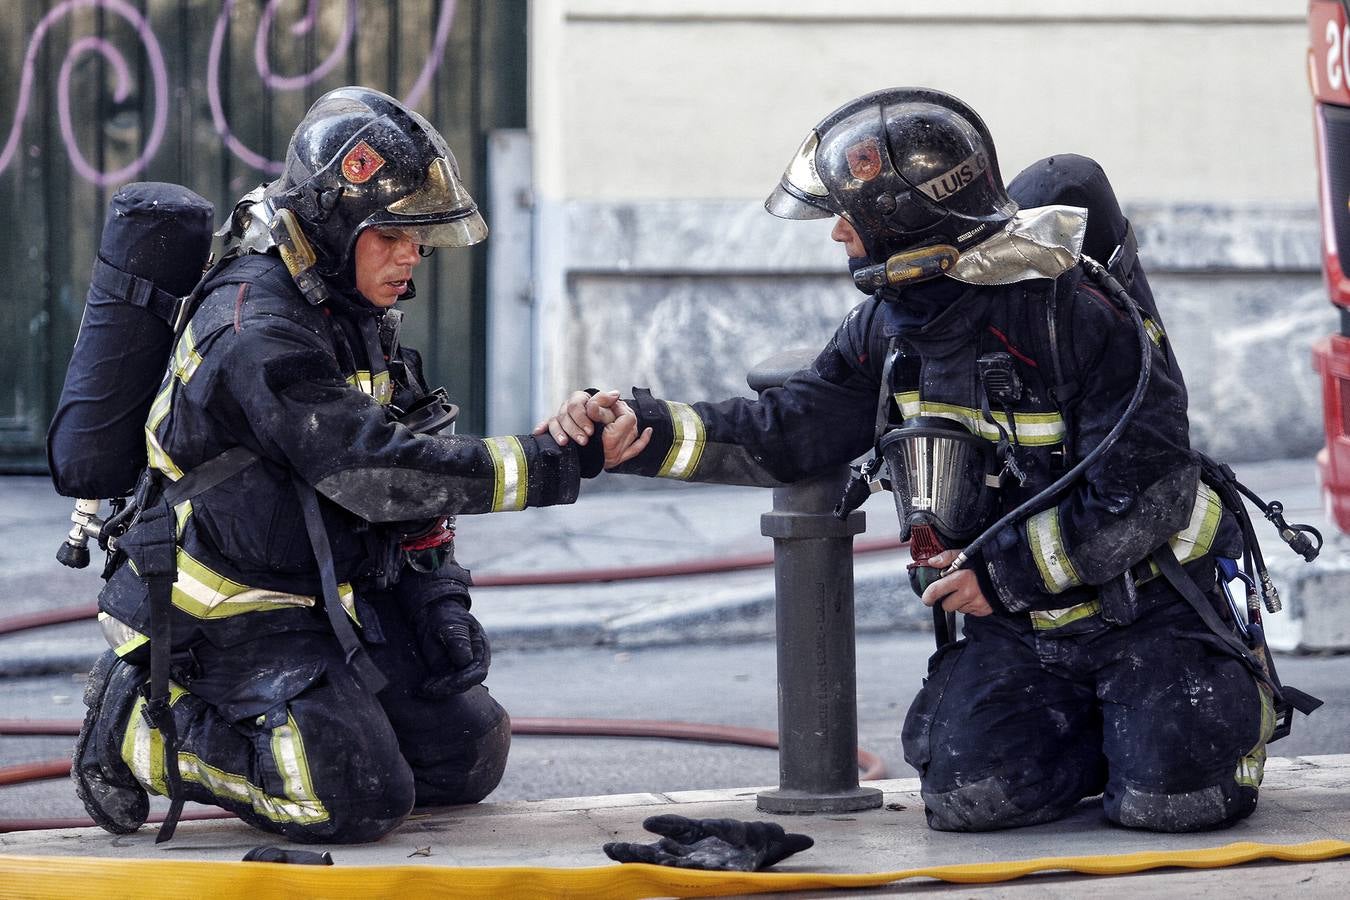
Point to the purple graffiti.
(158, 72)
(121, 71)
(445, 19)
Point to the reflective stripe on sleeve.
(1194, 541)
(687, 447)
(512, 473)
(1034, 429)
(1049, 552)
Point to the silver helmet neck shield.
(940, 477)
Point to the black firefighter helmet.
(907, 167)
(361, 159)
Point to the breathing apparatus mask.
(943, 480)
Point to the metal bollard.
(817, 663)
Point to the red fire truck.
(1329, 76)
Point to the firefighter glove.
(454, 647)
(724, 844)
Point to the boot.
(112, 796)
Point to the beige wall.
(1181, 100)
(658, 127)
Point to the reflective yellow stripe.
(143, 747)
(511, 473)
(1194, 541)
(1049, 552)
(205, 594)
(143, 751)
(158, 459)
(120, 636)
(160, 408)
(1033, 429)
(186, 359)
(1251, 768)
(686, 449)
(1154, 331)
(1050, 619)
(380, 387)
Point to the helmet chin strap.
(905, 267)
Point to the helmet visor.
(938, 471)
(440, 213)
(801, 194)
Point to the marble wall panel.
(686, 296)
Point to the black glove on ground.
(454, 647)
(725, 844)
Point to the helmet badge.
(864, 159)
(361, 163)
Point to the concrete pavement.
(1303, 800)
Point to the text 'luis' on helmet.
(907, 167)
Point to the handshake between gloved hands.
(721, 844)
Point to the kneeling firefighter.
(994, 374)
(292, 634)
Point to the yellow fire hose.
(65, 876)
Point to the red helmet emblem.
(361, 163)
(864, 159)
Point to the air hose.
(1052, 491)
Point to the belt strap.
(352, 650)
(1186, 586)
(134, 289)
(209, 474)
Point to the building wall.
(658, 128)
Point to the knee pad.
(1206, 809)
(463, 761)
(988, 805)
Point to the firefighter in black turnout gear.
(1081, 670)
(321, 565)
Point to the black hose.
(1034, 504)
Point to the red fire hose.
(519, 579)
(872, 765)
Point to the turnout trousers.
(1013, 727)
(281, 732)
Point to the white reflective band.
(1033, 429)
(1049, 552)
(686, 448)
(512, 473)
